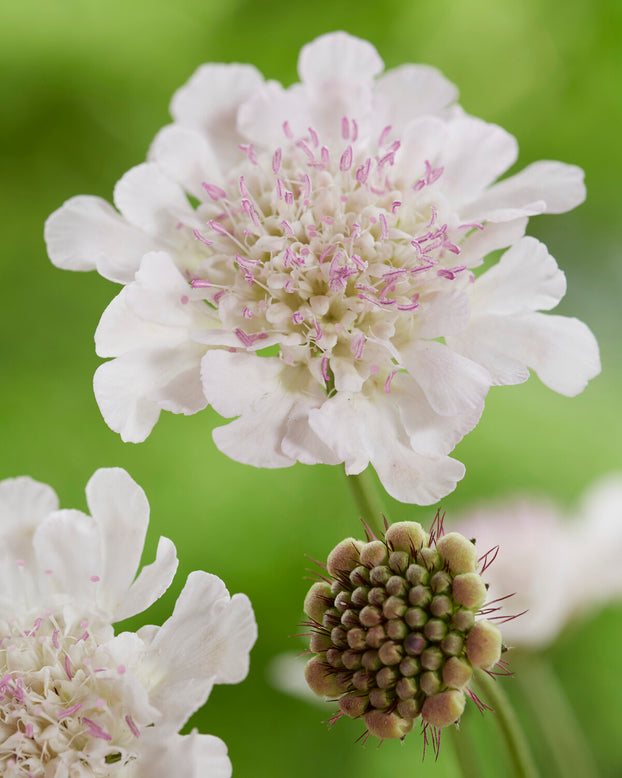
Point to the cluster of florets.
(394, 629)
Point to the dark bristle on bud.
(395, 634)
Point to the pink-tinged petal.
(152, 581)
(131, 389)
(493, 236)
(262, 116)
(120, 508)
(252, 388)
(148, 199)
(525, 279)
(190, 756)
(451, 383)
(206, 641)
(209, 102)
(86, 233)
(301, 444)
(430, 433)
(474, 154)
(68, 544)
(560, 186)
(187, 158)
(443, 313)
(338, 56)
(410, 91)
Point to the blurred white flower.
(295, 258)
(556, 567)
(76, 699)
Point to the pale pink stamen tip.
(345, 128)
(374, 369)
(95, 730)
(130, 723)
(345, 163)
(287, 130)
(384, 135)
(387, 383)
(95, 578)
(185, 299)
(68, 712)
(100, 703)
(200, 237)
(67, 664)
(325, 368)
(214, 192)
(48, 572)
(276, 161)
(297, 317)
(20, 562)
(121, 669)
(29, 730)
(199, 283)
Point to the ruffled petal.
(187, 158)
(190, 756)
(525, 279)
(86, 233)
(409, 91)
(131, 389)
(262, 117)
(493, 236)
(153, 580)
(559, 185)
(338, 56)
(206, 641)
(451, 383)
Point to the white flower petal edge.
(112, 703)
(541, 555)
(311, 248)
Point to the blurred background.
(85, 87)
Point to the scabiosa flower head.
(552, 588)
(76, 699)
(303, 259)
(395, 629)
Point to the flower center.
(326, 254)
(60, 703)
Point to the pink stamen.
(318, 330)
(96, 730)
(243, 189)
(302, 145)
(384, 226)
(387, 383)
(325, 369)
(314, 138)
(248, 340)
(396, 204)
(362, 173)
(355, 130)
(131, 724)
(280, 189)
(345, 163)
(245, 263)
(96, 578)
(287, 130)
(289, 198)
(357, 344)
(325, 156)
(217, 227)
(307, 185)
(471, 226)
(200, 283)
(384, 135)
(55, 642)
(246, 313)
(29, 730)
(276, 161)
(345, 128)
(289, 286)
(68, 712)
(297, 318)
(218, 296)
(67, 664)
(287, 229)
(359, 262)
(215, 192)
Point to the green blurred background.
(85, 86)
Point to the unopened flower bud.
(344, 557)
(317, 601)
(406, 536)
(469, 590)
(458, 553)
(483, 645)
(374, 553)
(387, 725)
(443, 709)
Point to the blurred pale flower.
(302, 259)
(544, 557)
(76, 700)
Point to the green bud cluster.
(394, 631)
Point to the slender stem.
(515, 740)
(559, 726)
(465, 752)
(367, 497)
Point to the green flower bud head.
(394, 632)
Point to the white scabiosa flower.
(76, 700)
(542, 558)
(303, 258)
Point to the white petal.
(68, 544)
(452, 384)
(526, 279)
(150, 200)
(262, 116)
(153, 580)
(559, 185)
(209, 101)
(410, 91)
(120, 508)
(494, 235)
(443, 313)
(301, 444)
(423, 139)
(341, 424)
(131, 389)
(207, 640)
(186, 157)
(474, 154)
(190, 756)
(338, 56)
(86, 233)
(24, 503)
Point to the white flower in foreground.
(76, 699)
(557, 567)
(302, 259)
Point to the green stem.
(464, 750)
(366, 495)
(515, 740)
(560, 728)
